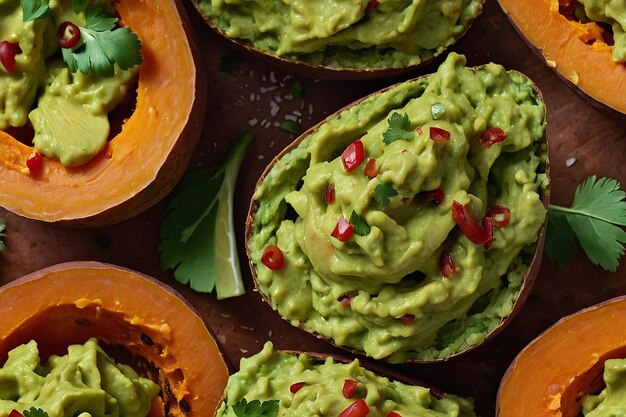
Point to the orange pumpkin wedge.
(551, 375)
(71, 302)
(574, 50)
(140, 165)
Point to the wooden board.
(582, 142)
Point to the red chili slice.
(295, 387)
(68, 35)
(470, 227)
(8, 50)
(343, 230)
(438, 134)
(393, 414)
(273, 258)
(370, 168)
(491, 136)
(501, 215)
(349, 387)
(488, 226)
(330, 194)
(435, 196)
(34, 162)
(358, 408)
(446, 264)
(353, 156)
(371, 5)
(407, 319)
(345, 298)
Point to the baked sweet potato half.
(408, 226)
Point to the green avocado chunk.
(613, 13)
(402, 307)
(85, 382)
(612, 400)
(269, 375)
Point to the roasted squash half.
(576, 51)
(552, 374)
(140, 165)
(71, 302)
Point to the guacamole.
(358, 34)
(408, 284)
(612, 400)
(68, 111)
(613, 13)
(271, 375)
(85, 382)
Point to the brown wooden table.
(236, 99)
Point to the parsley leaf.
(398, 125)
(361, 227)
(103, 45)
(256, 408)
(35, 412)
(599, 208)
(291, 127)
(198, 236)
(383, 192)
(35, 9)
(3, 225)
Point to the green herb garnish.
(198, 236)
(296, 90)
(594, 219)
(361, 227)
(383, 192)
(256, 408)
(398, 128)
(291, 127)
(35, 412)
(230, 61)
(34, 9)
(3, 225)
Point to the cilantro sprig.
(398, 128)
(3, 225)
(383, 192)
(34, 9)
(594, 220)
(35, 412)
(197, 236)
(256, 408)
(361, 227)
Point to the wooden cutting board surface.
(255, 96)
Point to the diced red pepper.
(446, 264)
(330, 194)
(68, 35)
(370, 168)
(34, 162)
(273, 258)
(501, 215)
(295, 387)
(488, 227)
(393, 414)
(358, 408)
(15, 413)
(491, 136)
(343, 230)
(345, 298)
(419, 131)
(8, 50)
(435, 196)
(407, 319)
(438, 134)
(371, 5)
(349, 387)
(353, 156)
(470, 227)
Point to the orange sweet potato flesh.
(550, 376)
(144, 161)
(573, 49)
(69, 303)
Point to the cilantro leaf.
(291, 127)
(398, 125)
(3, 225)
(35, 412)
(79, 6)
(97, 19)
(598, 211)
(34, 9)
(383, 192)
(256, 408)
(198, 236)
(361, 227)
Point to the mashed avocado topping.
(403, 303)
(345, 33)
(85, 382)
(613, 13)
(612, 400)
(271, 375)
(68, 110)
